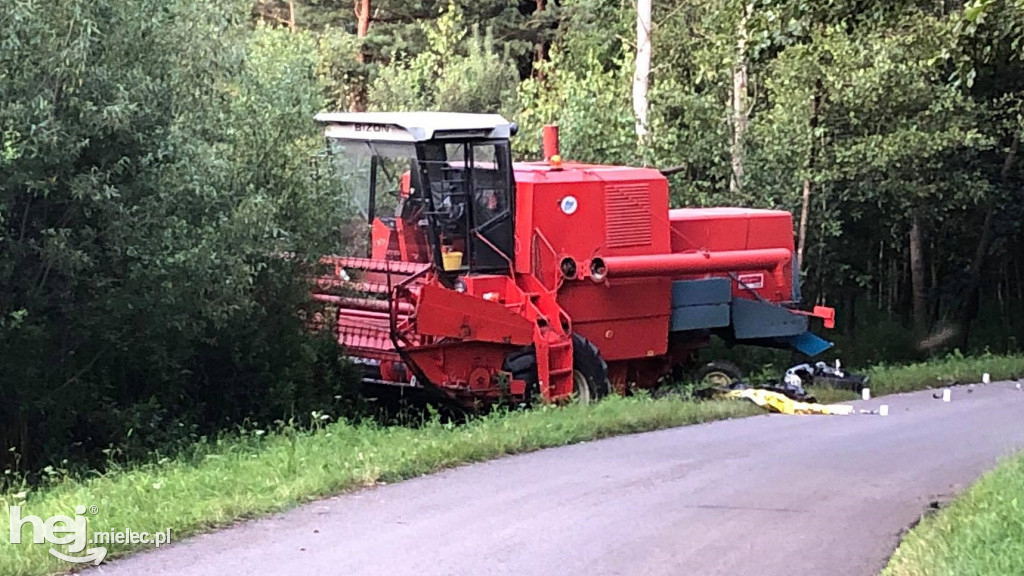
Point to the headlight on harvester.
(598, 271)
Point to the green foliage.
(441, 78)
(338, 66)
(579, 94)
(401, 30)
(143, 201)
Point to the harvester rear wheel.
(719, 374)
(589, 371)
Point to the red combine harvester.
(492, 281)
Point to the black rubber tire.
(587, 361)
(727, 368)
(523, 366)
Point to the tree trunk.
(1005, 310)
(805, 211)
(1017, 269)
(905, 294)
(812, 160)
(917, 277)
(812, 157)
(739, 101)
(881, 276)
(643, 66)
(969, 305)
(291, 15)
(849, 326)
(934, 305)
(362, 18)
(893, 287)
(541, 53)
(357, 101)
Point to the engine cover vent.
(627, 215)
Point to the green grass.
(239, 477)
(948, 371)
(246, 477)
(829, 395)
(981, 533)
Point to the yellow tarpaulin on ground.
(777, 402)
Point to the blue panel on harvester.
(700, 304)
(809, 343)
(699, 317)
(701, 292)
(752, 319)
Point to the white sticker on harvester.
(569, 205)
(752, 281)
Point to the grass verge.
(936, 373)
(948, 371)
(245, 477)
(981, 533)
(241, 477)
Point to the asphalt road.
(764, 496)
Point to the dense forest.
(155, 155)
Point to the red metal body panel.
(384, 242)
(621, 216)
(610, 204)
(827, 315)
(446, 313)
(622, 317)
(467, 370)
(740, 229)
(581, 211)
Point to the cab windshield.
(440, 201)
(370, 175)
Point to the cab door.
(492, 202)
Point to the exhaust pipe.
(551, 143)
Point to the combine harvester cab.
(486, 281)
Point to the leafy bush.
(142, 201)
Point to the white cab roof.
(413, 126)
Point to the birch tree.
(642, 67)
(740, 76)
